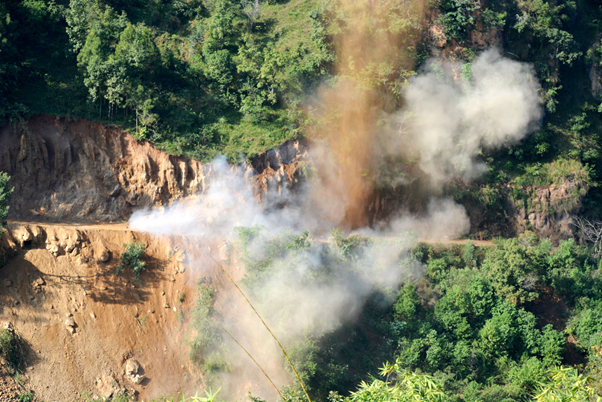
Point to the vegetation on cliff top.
(5, 193)
(238, 77)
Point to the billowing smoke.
(305, 292)
(229, 202)
(451, 118)
(452, 113)
(447, 122)
(444, 220)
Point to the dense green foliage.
(482, 324)
(5, 193)
(191, 76)
(130, 258)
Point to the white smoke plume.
(213, 214)
(229, 202)
(445, 126)
(290, 299)
(450, 119)
(444, 220)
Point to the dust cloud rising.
(451, 112)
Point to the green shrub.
(403, 386)
(512, 268)
(458, 17)
(26, 397)
(351, 246)
(567, 385)
(11, 349)
(204, 348)
(131, 258)
(587, 325)
(558, 172)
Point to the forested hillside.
(194, 77)
(240, 77)
(517, 320)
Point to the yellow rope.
(255, 361)
(266, 326)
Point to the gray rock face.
(550, 211)
(134, 372)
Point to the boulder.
(134, 372)
(104, 255)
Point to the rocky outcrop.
(510, 210)
(74, 170)
(549, 211)
(107, 386)
(280, 168)
(134, 372)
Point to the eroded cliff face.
(77, 170)
(509, 210)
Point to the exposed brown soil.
(75, 181)
(115, 317)
(10, 385)
(79, 170)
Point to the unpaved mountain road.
(124, 227)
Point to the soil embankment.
(76, 182)
(82, 323)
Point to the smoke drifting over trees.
(455, 111)
(312, 289)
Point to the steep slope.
(81, 323)
(82, 171)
